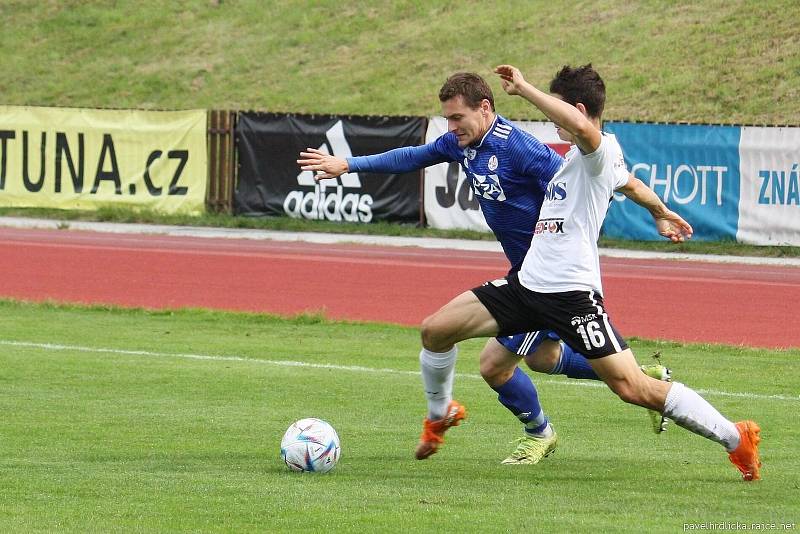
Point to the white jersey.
(563, 254)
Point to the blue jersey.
(509, 170)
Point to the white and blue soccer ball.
(310, 445)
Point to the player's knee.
(493, 374)
(548, 354)
(535, 364)
(545, 358)
(435, 334)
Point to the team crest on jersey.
(492, 163)
(488, 186)
(470, 153)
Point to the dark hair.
(469, 85)
(581, 84)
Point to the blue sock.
(520, 397)
(573, 365)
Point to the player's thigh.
(617, 367)
(497, 363)
(464, 317)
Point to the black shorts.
(578, 317)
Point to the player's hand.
(673, 227)
(510, 78)
(323, 165)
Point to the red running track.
(658, 299)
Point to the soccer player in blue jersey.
(509, 171)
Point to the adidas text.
(324, 204)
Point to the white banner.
(449, 200)
(769, 201)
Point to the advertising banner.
(271, 182)
(449, 199)
(693, 168)
(87, 158)
(769, 209)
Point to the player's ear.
(582, 109)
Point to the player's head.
(468, 106)
(583, 88)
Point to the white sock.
(694, 413)
(438, 369)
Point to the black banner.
(271, 183)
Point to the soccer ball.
(310, 445)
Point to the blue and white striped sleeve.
(400, 160)
(533, 158)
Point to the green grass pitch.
(128, 420)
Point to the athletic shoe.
(530, 450)
(745, 456)
(659, 372)
(433, 431)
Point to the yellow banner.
(88, 158)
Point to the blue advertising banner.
(693, 168)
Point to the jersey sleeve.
(400, 160)
(530, 157)
(608, 161)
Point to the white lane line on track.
(350, 368)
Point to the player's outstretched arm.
(668, 223)
(323, 165)
(398, 160)
(571, 118)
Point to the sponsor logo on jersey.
(556, 191)
(551, 226)
(333, 200)
(582, 319)
(487, 186)
(492, 163)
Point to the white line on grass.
(355, 368)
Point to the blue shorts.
(524, 344)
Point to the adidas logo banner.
(271, 183)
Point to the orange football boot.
(432, 436)
(745, 456)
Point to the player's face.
(468, 124)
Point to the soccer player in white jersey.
(509, 171)
(558, 286)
